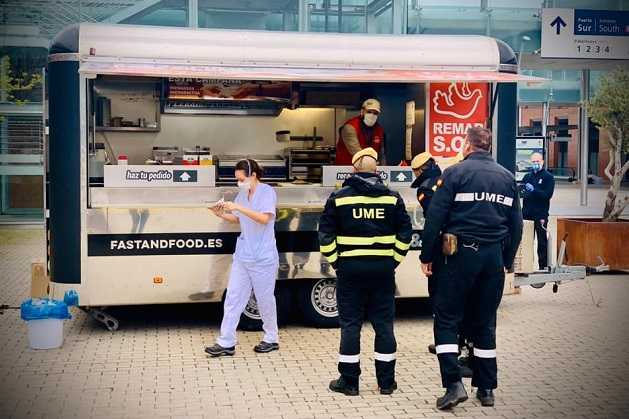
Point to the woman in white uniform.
(255, 261)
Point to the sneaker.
(340, 386)
(264, 347)
(388, 390)
(217, 350)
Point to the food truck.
(147, 123)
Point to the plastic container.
(45, 333)
(44, 318)
(123, 160)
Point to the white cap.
(371, 105)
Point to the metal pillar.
(585, 134)
(304, 15)
(193, 13)
(399, 17)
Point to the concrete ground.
(560, 355)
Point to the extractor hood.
(225, 107)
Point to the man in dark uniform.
(478, 204)
(365, 232)
(538, 189)
(427, 175)
(427, 181)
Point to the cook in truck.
(360, 132)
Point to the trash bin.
(44, 318)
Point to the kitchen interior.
(289, 127)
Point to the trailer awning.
(260, 72)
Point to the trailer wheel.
(318, 303)
(251, 319)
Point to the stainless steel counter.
(288, 196)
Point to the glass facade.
(28, 26)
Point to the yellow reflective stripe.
(332, 258)
(351, 200)
(367, 252)
(398, 257)
(401, 245)
(327, 248)
(365, 241)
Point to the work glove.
(529, 187)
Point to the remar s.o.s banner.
(451, 109)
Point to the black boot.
(455, 394)
(388, 390)
(464, 367)
(486, 397)
(340, 386)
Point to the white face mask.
(244, 186)
(370, 119)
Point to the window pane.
(274, 15)
(164, 13)
(21, 181)
(348, 16)
(447, 17)
(20, 71)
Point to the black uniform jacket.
(478, 201)
(426, 184)
(537, 202)
(364, 219)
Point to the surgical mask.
(370, 119)
(536, 167)
(244, 186)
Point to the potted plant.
(591, 242)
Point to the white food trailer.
(182, 106)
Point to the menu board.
(217, 89)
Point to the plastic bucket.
(45, 333)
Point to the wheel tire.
(251, 320)
(538, 286)
(317, 301)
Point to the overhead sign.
(452, 109)
(158, 176)
(392, 175)
(579, 33)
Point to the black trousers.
(541, 229)
(464, 329)
(470, 286)
(366, 288)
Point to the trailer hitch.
(557, 274)
(110, 322)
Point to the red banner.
(452, 108)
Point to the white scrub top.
(256, 242)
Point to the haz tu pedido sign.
(159, 176)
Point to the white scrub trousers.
(244, 277)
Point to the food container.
(163, 154)
(123, 160)
(197, 156)
(98, 158)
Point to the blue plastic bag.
(71, 298)
(44, 308)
